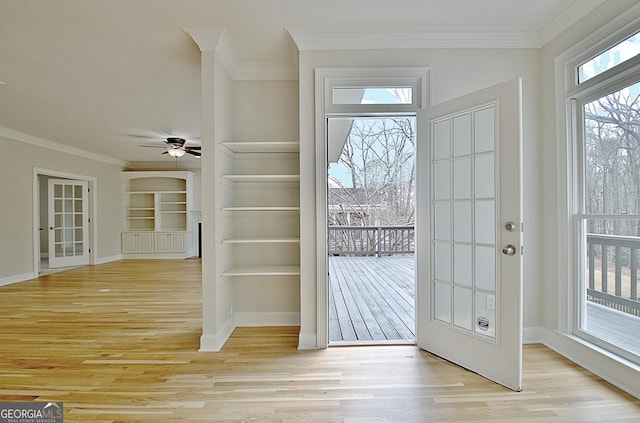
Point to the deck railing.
(371, 240)
(618, 259)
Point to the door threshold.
(372, 343)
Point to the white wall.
(16, 194)
(454, 72)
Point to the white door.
(469, 229)
(68, 223)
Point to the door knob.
(509, 250)
(51, 228)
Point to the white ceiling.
(95, 75)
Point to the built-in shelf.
(290, 240)
(158, 220)
(262, 178)
(263, 146)
(263, 271)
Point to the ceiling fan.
(176, 147)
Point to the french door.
(68, 223)
(469, 230)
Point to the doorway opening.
(371, 229)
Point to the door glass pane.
(78, 191)
(442, 181)
(462, 221)
(462, 307)
(462, 178)
(485, 268)
(469, 177)
(462, 135)
(484, 131)
(443, 261)
(484, 179)
(442, 140)
(462, 259)
(57, 206)
(442, 302)
(68, 191)
(443, 221)
(485, 228)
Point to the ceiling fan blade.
(194, 153)
(152, 146)
(193, 148)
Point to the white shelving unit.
(260, 209)
(158, 215)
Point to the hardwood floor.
(118, 343)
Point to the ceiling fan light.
(175, 152)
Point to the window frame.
(571, 96)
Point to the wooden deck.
(371, 299)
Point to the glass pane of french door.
(68, 217)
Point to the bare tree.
(379, 156)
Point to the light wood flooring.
(118, 343)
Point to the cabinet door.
(178, 242)
(129, 243)
(145, 242)
(163, 242)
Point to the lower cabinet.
(137, 243)
(150, 243)
(173, 242)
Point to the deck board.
(371, 299)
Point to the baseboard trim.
(267, 319)
(308, 341)
(215, 342)
(8, 280)
(103, 260)
(619, 372)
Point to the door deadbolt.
(509, 250)
(510, 226)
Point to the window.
(615, 55)
(605, 197)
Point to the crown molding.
(567, 18)
(376, 39)
(217, 40)
(52, 145)
(325, 39)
